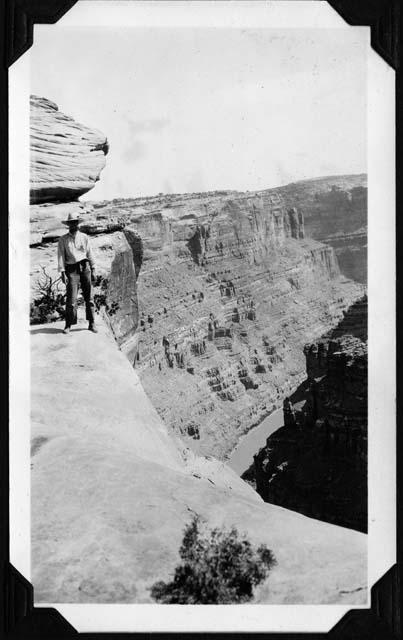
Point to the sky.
(199, 109)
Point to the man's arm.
(60, 256)
(90, 257)
(61, 260)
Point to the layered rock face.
(215, 293)
(227, 291)
(317, 463)
(66, 157)
(335, 211)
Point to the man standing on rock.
(76, 266)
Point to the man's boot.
(92, 327)
(66, 329)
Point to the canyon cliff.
(229, 291)
(210, 298)
(225, 291)
(335, 212)
(214, 295)
(317, 463)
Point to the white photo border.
(381, 318)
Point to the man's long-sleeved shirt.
(72, 249)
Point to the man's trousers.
(78, 274)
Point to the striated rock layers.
(335, 211)
(227, 292)
(66, 157)
(214, 294)
(317, 463)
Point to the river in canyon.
(242, 456)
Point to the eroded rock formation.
(317, 463)
(66, 157)
(335, 212)
(215, 296)
(228, 291)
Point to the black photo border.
(18, 616)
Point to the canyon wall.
(228, 291)
(317, 463)
(213, 297)
(335, 211)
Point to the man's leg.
(86, 287)
(71, 299)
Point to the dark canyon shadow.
(316, 463)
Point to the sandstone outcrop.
(317, 463)
(227, 291)
(111, 493)
(335, 212)
(66, 157)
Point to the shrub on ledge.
(49, 305)
(219, 567)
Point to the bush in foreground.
(100, 296)
(219, 567)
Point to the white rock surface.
(111, 493)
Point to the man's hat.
(72, 217)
